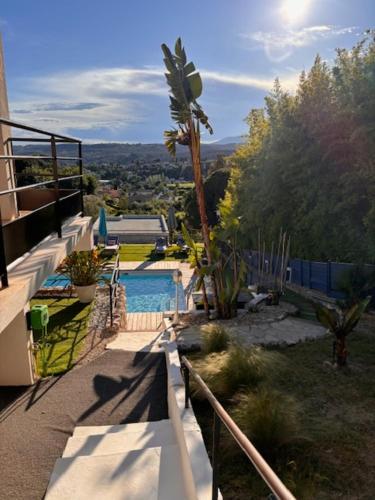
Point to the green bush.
(238, 368)
(215, 338)
(269, 418)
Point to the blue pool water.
(151, 292)
(154, 292)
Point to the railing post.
(80, 163)
(187, 385)
(56, 184)
(111, 304)
(3, 263)
(215, 456)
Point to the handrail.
(38, 184)
(39, 157)
(265, 471)
(53, 139)
(113, 284)
(23, 126)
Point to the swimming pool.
(151, 292)
(145, 291)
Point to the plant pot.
(86, 294)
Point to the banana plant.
(341, 323)
(185, 87)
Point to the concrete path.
(137, 341)
(288, 331)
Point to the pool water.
(151, 292)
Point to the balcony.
(30, 211)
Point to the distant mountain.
(238, 139)
(120, 153)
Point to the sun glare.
(294, 11)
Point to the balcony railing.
(41, 207)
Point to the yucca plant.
(186, 87)
(341, 322)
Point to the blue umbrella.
(102, 224)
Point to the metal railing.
(45, 205)
(113, 288)
(221, 416)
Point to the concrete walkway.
(288, 331)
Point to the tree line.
(308, 165)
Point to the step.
(137, 341)
(152, 474)
(90, 430)
(118, 442)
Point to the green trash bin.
(39, 317)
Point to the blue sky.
(93, 69)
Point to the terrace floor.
(118, 387)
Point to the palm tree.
(185, 88)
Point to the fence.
(324, 277)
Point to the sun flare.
(294, 11)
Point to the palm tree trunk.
(199, 188)
(341, 351)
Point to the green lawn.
(145, 252)
(67, 329)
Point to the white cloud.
(108, 98)
(278, 46)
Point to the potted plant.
(83, 269)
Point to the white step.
(118, 442)
(90, 430)
(151, 474)
(137, 341)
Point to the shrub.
(215, 338)
(238, 368)
(269, 419)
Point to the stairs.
(119, 462)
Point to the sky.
(94, 69)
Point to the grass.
(141, 253)
(336, 408)
(215, 338)
(67, 329)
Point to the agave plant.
(186, 86)
(341, 322)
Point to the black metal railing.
(222, 417)
(113, 288)
(41, 207)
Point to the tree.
(185, 88)
(308, 163)
(214, 191)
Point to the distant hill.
(237, 139)
(125, 153)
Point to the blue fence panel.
(319, 276)
(295, 265)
